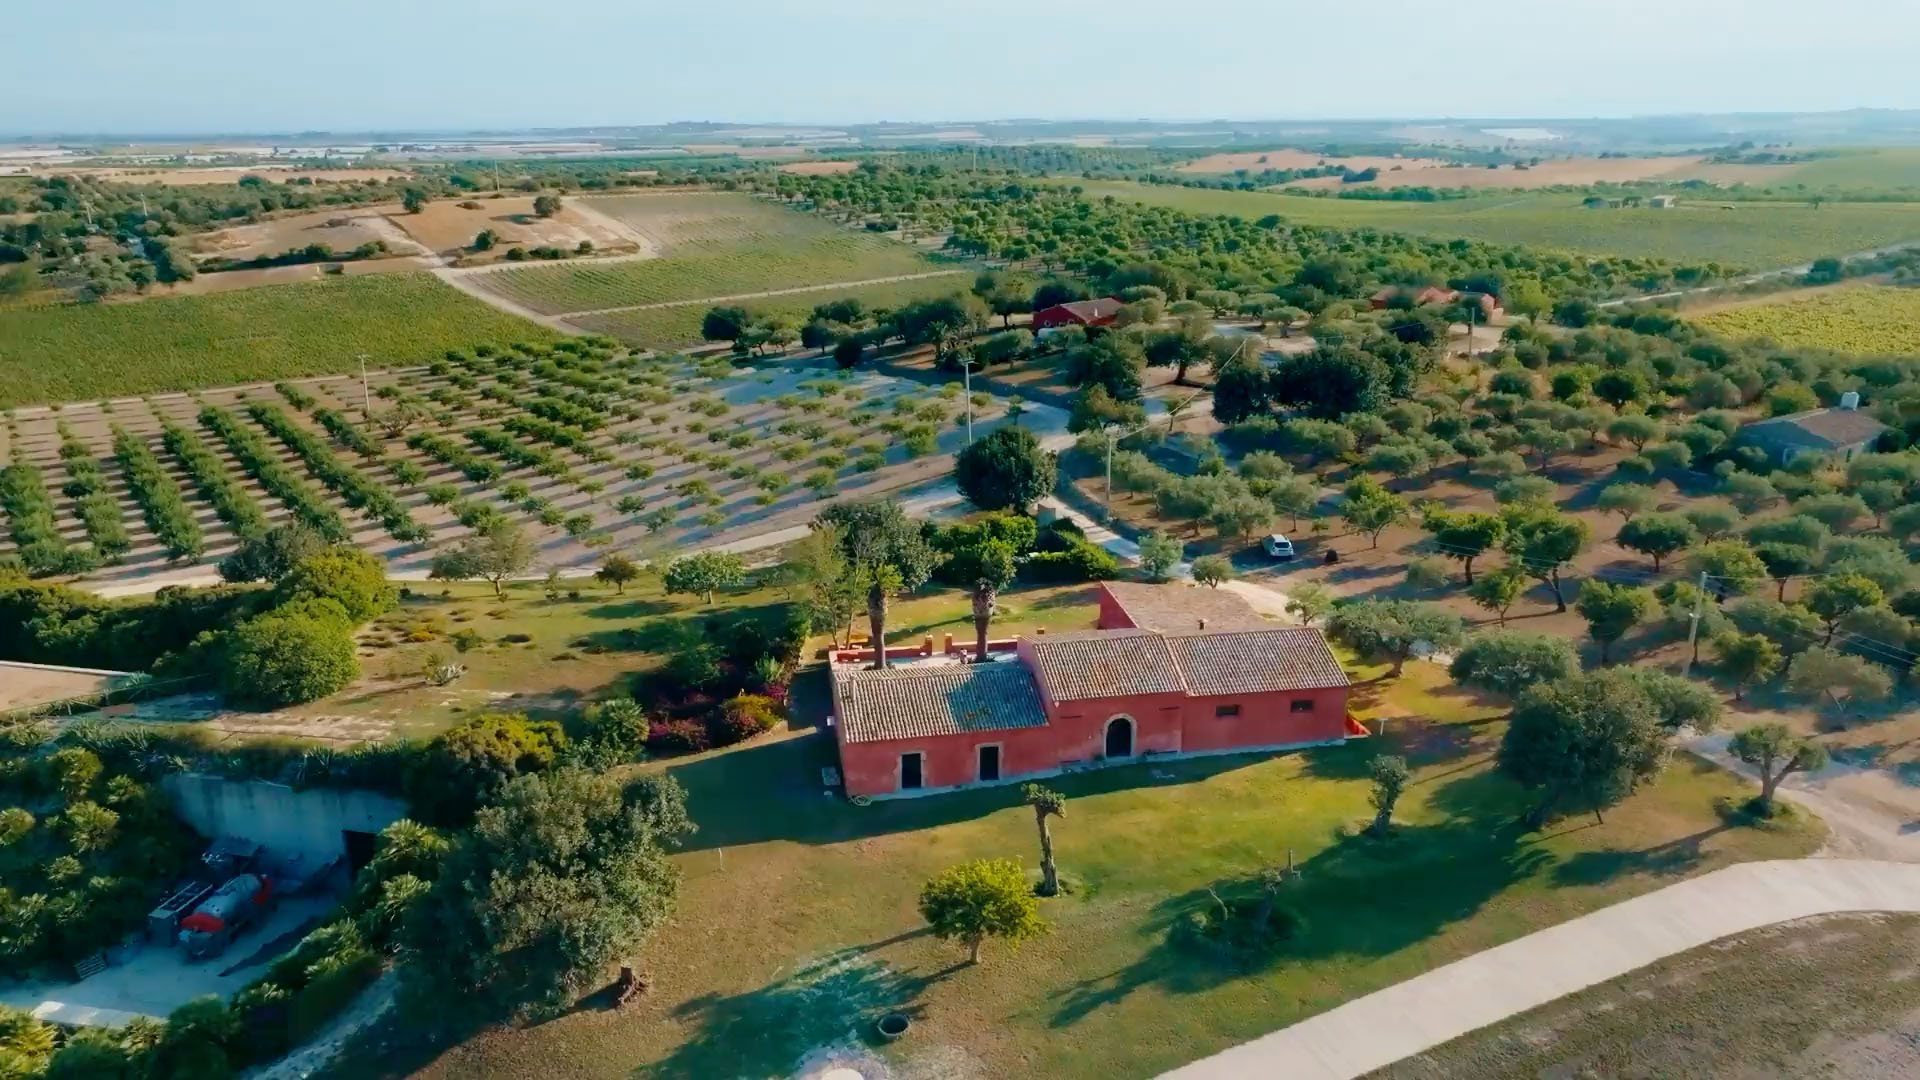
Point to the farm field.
(340, 229)
(588, 448)
(448, 227)
(1890, 167)
(1754, 236)
(69, 353)
(709, 254)
(1875, 319)
(1831, 997)
(1396, 172)
(1110, 992)
(679, 324)
(189, 177)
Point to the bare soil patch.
(746, 151)
(819, 168)
(229, 175)
(1567, 171)
(1830, 997)
(1255, 160)
(341, 230)
(448, 227)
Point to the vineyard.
(1874, 319)
(679, 324)
(1752, 235)
(683, 222)
(584, 444)
(71, 352)
(717, 245)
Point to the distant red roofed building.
(1171, 670)
(1086, 313)
(1432, 294)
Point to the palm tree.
(1046, 803)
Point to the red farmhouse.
(1088, 313)
(1171, 670)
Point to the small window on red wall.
(1301, 704)
(1223, 712)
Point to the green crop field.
(679, 222)
(1753, 235)
(759, 247)
(76, 352)
(678, 325)
(1889, 168)
(1860, 319)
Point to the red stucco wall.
(1076, 733)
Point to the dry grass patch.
(1834, 996)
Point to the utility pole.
(366, 393)
(966, 375)
(1693, 625)
(1111, 433)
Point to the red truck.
(231, 908)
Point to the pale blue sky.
(242, 65)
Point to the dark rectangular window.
(989, 763)
(1301, 704)
(1221, 712)
(910, 777)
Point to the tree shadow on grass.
(1362, 897)
(820, 1002)
(772, 790)
(1671, 859)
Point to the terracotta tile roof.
(1105, 663)
(1099, 310)
(1181, 608)
(1256, 661)
(916, 702)
(1820, 429)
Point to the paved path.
(764, 293)
(1487, 987)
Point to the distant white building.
(1841, 432)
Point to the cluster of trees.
(1056, 226)
(849, 328)
(87, 846)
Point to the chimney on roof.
(1850, 400)
(1203, 622)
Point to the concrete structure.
(317, 824)
(1663, 202)
(1170, 670)
(1423, 1012)
(1086, 313)
(1840, 432)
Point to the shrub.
(1081, 561)
(468, 764)
(301, 652)
(742, 717)
(350, 577)
(678, 737)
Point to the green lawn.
(589, 643)
(584, 645)
(797, 922)
(1752, 236)
(679, 325)
(1830, 997)
(75, 352)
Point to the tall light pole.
(1110, 433)
(366, 392)
(966, 376)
